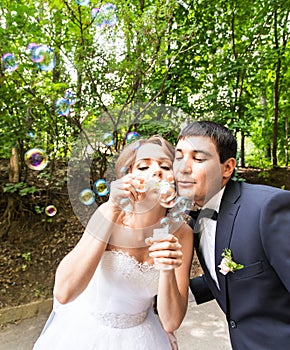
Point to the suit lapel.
(225, 222)
(226, 217)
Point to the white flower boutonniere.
(227, 264)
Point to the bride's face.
(153, 172)
(152, 163)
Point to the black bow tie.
(203, 213)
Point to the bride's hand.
(123, 189)
(166, 250)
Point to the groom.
(243, 245)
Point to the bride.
(105, 287)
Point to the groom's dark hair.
(223, 138)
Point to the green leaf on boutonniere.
(228, 264)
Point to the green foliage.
(264, 175)
(164, 63)
(27, 258)
(258, 161)
(22, 188)
(38, 209)
(211, 60)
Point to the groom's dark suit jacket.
(254, 222)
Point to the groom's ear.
(228, 168)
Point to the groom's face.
(197, 169)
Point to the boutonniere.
(227, 264)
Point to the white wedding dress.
(113, 313)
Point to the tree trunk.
(276, 94)
(287, 139)
(242, 149)
(14, 167)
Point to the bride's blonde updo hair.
(127, 156)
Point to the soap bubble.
(152, 184)
(132, 136)
(108, 139)
(71, 97)
(167, 191)
(124, 171)
(182, 204)
(30, 134)
(97, 17)
(9, 61)
(164, 222)
(176, 217)
(36, 159)
(106, 15)
(62, 107)
(32, 46)
(87, 196)
(126, 205)
(83, 2)
(101, 187)
(50, 210)
(140, 184)
(43, 56)
(85, 166)
(35, 58)
(110, 15)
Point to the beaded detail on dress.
(113, 320)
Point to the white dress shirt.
(208, 232)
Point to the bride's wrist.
(110, 210)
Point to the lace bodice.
(122, 290)
(114, 311)
(130, 263)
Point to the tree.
(145, 66)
